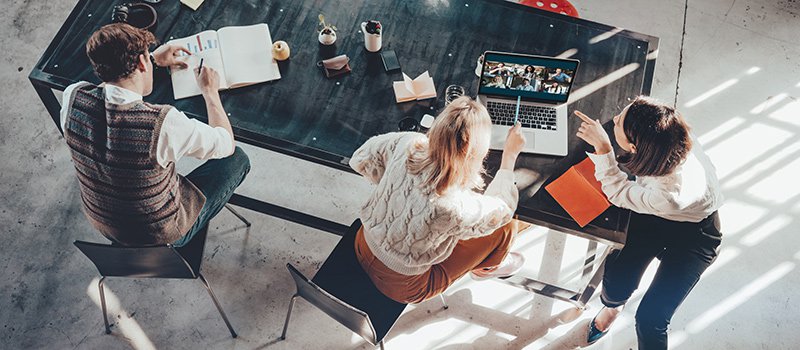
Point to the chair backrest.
(356, 320)
(140, 262)
(342, 276)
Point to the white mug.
(372, 42)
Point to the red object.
(558, 6)
(579, 193)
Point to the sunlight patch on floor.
(767, 229)
(788, 113)
(711, 92)
(722, 129)
(736, 215)
(124, 323)
(769, 102)
(739, 297)
(746, 146)
(772, 161)
(779, 186)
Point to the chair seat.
(342, 276)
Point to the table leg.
(591, 275)
(594, 281)
(50, 102)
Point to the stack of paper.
(418, 89)
(579, 193)
(193, 4)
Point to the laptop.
(540, 86)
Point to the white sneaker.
(510, 266)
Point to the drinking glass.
(453, 92)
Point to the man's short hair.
(114, 50)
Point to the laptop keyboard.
(534, 117)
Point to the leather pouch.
(334, 67)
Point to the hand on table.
(167, 56)
(593, 133)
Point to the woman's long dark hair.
(661, 137)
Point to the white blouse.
(690, 193)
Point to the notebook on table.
(579, 193)
(419, 88)
(242, 56)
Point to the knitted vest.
(126, 194)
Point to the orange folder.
(579, 193)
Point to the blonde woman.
(424, 225)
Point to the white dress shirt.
(180, 135)
(690, 193)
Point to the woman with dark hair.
(674, 198)
(529, 73)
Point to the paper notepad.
(241, 55)
(418, 89)
(579, 193)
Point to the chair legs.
(381, 344)
(216, 303)
(103, 304)
(235, 213)
(288, 316)
(443, 301)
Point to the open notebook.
(241, 55)
(420, 88)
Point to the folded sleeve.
(370, 159)
(625, 193)
(482, 214)
(183, 136)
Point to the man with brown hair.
(125, 149)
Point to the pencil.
(516, 114)
(200, 69)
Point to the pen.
(200, 69)
(516, 114)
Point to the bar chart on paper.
(198, 44)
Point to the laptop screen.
(531, 77)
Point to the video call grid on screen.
(547, 79)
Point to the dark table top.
(324, 120)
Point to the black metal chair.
(161, 261)
(343, 291)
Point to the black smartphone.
(390, 62)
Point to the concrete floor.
(731, 66)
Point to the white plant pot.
(327, 39)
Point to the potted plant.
(327, 32)
(372, 35)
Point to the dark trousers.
(685, 249)
(217, 179)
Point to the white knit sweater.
(407, 226)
